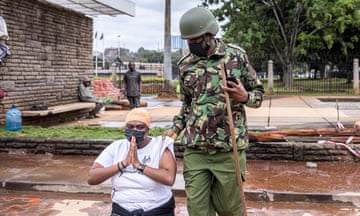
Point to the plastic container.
(13, 119)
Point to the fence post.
(270, 77)
(356, 75)
(113, 75)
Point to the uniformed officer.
(202, 124)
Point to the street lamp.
(119, 46)
(118, 57)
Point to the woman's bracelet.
(122, 164)
(118, 165)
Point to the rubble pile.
(105, 89)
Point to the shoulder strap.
(237, 47)
(183, 58)
(242, 51)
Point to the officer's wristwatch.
(141, 167)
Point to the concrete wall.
(257, 151)
(51, 51)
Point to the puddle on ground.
(152, 102)
(327, 177)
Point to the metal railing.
(310, 77)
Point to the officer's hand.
(236, 91)
(170, 133)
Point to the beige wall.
(51, 51)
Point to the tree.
(151, 56)
(283, 29)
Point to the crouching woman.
(142, 170)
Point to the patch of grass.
(74, 132)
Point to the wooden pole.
(233, 142)
(268, 120)
(356, 75)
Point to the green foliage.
(147, 80)
(149, 55)
(283, 29)
(153, 56)
(107, 101)
(156, 131)
(151, 80)
(74, 132)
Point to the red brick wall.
(51, 51)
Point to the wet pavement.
(68, 173)
(272, 187)
(56, 184)
(46, 204)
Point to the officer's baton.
(233, 142)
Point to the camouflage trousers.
(211, 183)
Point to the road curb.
(347, 198)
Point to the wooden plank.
(34, 113)
(307, 135)
(58, 109)
(267, 137)
(317, 132)
(71, 107)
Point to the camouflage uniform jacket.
(203, 121)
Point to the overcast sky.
(146, 29)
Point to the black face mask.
(139, 135)
(197, 48)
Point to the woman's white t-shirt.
(132, 189)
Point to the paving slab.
(276, 112)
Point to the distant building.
(177, 42)
(111, 53)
